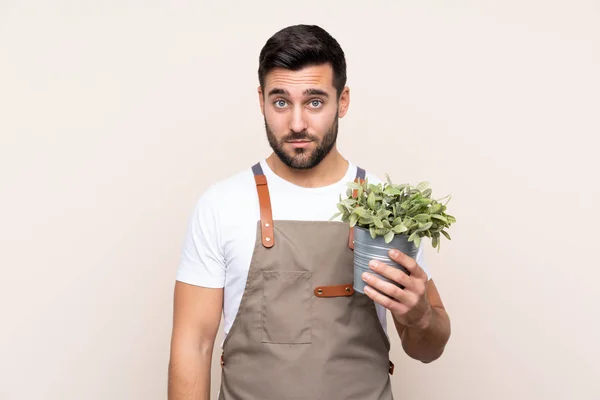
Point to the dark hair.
(299, 46)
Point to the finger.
(392, 273)
(408, 262)
(385, 301)
(384, 287)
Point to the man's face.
(301, 112)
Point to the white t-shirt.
(221, 233)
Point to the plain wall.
(116, 115)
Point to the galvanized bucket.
(366, 249)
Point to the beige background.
(115, 115)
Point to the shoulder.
(212, 221)
(222, 193)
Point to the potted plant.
(388, 215)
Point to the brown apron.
(301, 332)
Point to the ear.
(261, 100)
(344, 102)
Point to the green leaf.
(450, 219)
(422, 186)
(445, 197)
(389, 236)
(446, 234)
(435, 208)
(377, 189)
(381, 231)
(423, 217)
(361, 212)
(388, 179)
(377, 222)
(386, 224)
(353, 185)
(424, 227)
(400, 228)
(401, 187)
(372, 231)
(383, 213)
(413, 210)
(392, 191)
(366, 220)
(440, 217)
(418, 241)
(334, 216)
(353, 220)
(371, 201)
(434, 241)
(412, 237)
(350, 204)
(426, 193)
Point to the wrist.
(427, 319)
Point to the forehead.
(314, 76)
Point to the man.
(261, 250)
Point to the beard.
(303, 158)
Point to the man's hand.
(409, 306)
(419, 314)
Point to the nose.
(298, 123)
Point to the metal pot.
(366, 249)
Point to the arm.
(418, 312)
(196, 318)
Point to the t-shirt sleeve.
(202, 262)
(420, 259)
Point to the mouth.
(301, 143)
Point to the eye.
(316, 103)
(279, 103)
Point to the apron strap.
(360, 173)
(264, 200)
(266, 214)
(360, 176)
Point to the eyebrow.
(307, 92)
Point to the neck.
(330, 170)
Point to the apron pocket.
(286, 307)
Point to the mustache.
(299, 136)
